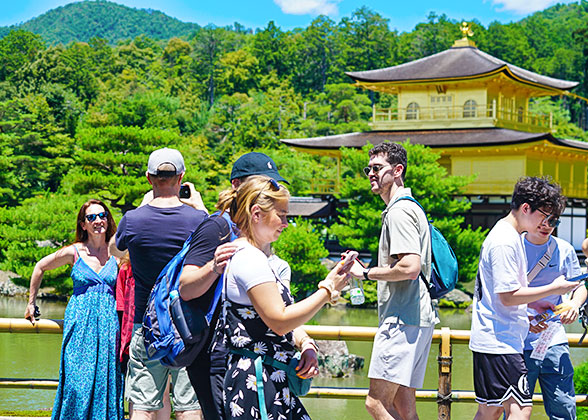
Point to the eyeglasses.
(376, 168)
(551, 219)
(274, 184)
(102, 215)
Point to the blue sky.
(289, 14)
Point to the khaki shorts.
(400, 354)
(147, 379)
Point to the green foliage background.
(88, 90)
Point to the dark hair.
(81, 234)
(394, 152)
(538, 192)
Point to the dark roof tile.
(454, 63)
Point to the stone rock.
(458, 297)
(7, 286)
(335, 359)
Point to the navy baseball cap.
(255, 163)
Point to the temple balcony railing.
(324, 186)
(455, 117)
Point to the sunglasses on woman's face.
(91, 217)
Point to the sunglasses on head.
(376, 168)
(91, 217)
(274, 185)
(551, 219)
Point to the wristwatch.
(366, 272)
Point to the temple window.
(469, 108)
(412, 111)
(520, 113)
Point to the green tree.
(16, 49)
(110, 162)
(38, 227)
(301, 246)
(312, 52)
(268, 47)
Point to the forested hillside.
(79, 119)
(84, 20)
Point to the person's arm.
(585, 247)
(60, 258)
(308, 365)
(207, 257)
(195, 200)
(525, 295)
(578, 298)
(112, 248)
(282, 319)
(195, 281)
(407, 267)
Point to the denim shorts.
(147, 379)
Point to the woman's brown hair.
(256, 189)
(81, 234)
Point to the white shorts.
(400, 354)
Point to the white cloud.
(525, 6)
(308, 7)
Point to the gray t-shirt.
(405, 230)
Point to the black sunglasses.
(274, 184)
(376, 168)
(551, 219)
(91, 217)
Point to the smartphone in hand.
(347, 261)
(185, 191)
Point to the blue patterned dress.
(90, 381)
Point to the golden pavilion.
(473, 108)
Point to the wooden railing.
(458, 116)
(444, 395)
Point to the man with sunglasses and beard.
(407, 317)
(549, 257)
(502, 293)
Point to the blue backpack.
(173, 330)
(444, 271)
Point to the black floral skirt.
(241, 400)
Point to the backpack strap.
(219, 287)
(542, 263)
(414, 200)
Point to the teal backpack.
(444, 270)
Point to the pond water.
(37, 356)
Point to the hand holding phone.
(347, 261)
(185, 191)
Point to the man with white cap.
(153, 234)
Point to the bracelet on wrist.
(329, 287)
(308, 342)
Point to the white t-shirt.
(499, 329)
(250, 267)
(563, 261)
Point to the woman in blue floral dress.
(90, 382)
(259, 312)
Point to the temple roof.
(456, 63)
(433, 138)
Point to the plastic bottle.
(356, 292)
